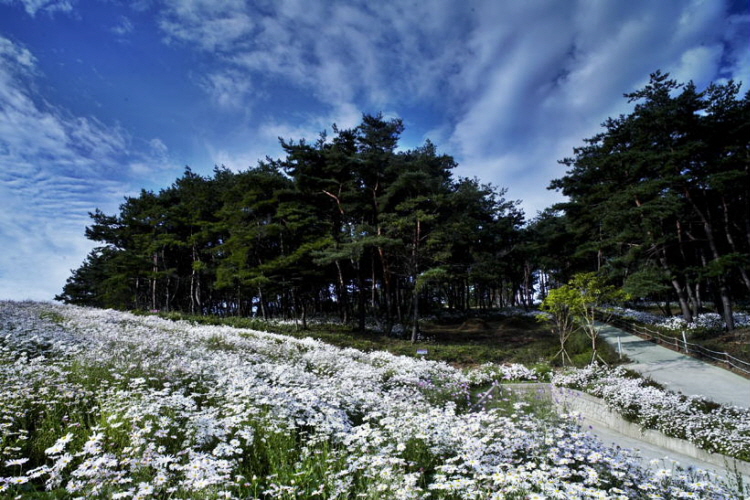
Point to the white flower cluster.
(633, 314)
(492, 372)
(713, 427)
(715, 322)
(102, 404)
(705, 321)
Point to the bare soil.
(508, 332)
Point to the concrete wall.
(595, 410)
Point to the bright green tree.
(559, 304)
(579, 304)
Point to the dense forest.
(352, 225)
(660, 200)
(347, 225)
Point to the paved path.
(679, 372)
(664, 459)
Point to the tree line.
(658, 204)
(659, 201)
(346, 225)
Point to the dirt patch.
(517, 331)
(517, 323)
(474, 325)
(507, 332)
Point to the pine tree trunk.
(678, 288)
(730, 240)
(721, 280)
(415, 322)
(262, 301)
(343, 294)
(154, 270)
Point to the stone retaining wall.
(595, 410)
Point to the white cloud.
(54, 169)
(518, 84)
(37, 253)
(123, 27)
(42, 227)
(738, 58)
(31, 130)
(237, 160)
(228, 89)
(697, 19)
(699, 64)
(158, 147)
(266, 134)
(265, 143)
(539, 91)
(49, 6)
(212, 25)
(19, 59)
(339, 53)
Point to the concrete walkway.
(653, 456)
(655, 450)
(679, 372)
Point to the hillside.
(104, 404)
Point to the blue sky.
(102, 98)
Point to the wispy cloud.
(737, 57)
(508, 88)
(123, 27)
(48, 6)
(517, 84)
(229, 89)
(342, 52)
(54, 168)
(548, 87)
(214, 26)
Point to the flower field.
(703, 321)
(104, 404)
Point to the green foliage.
(538, 348)
(346, 225)
(351, 224)
(560, 303)
(432, 276)
(647, 282)
(576, 305)
(660, 199)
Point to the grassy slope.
(511, 339)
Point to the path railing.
(681, 345)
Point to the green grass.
(516, 339)
(52, 316)
(530, 401)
